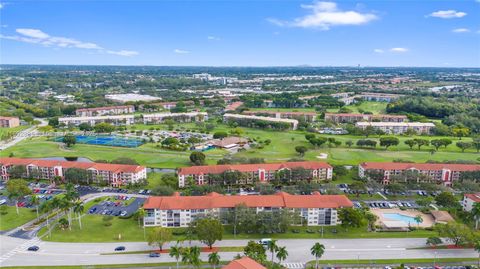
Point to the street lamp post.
(435, 259)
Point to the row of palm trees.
(191, 256)
(281, 252)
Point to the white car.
(3, 201)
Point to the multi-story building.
(352, 117)
(261, 172)
(113, 119)
(101, 111)
(469, 201)
(113, 174)
(9, 122)
(245, 118)
(178, 117)
(131, 97)
(444, 173)
(179, 211)
(342, 94)
(398, 127)
(379, 97)
(306, 116)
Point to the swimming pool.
(114, 141)
(400, 217)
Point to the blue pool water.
(400, 217)
(106, 141)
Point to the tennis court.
(113, 141)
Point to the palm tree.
(371, 219)
(78, 208)
(140, 214)
(46, 207)
(272, 247)
(185, 252)
(282, 254)
(36, 202)
(476, 214)
(195, 256)
(176, 252)
(214, 259)
(418, 219)
(476, 246)
(317, 250)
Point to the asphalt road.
(13, 251)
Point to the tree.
(350, 217)
(301, 150)
(36, 202)
(460, 132)
(17, 171)
(85, 127)
(282, 254)
(139, 214)
(197, 158)
(371, 219)
(395, 188)
(418, 219)
(209, 231)
(437, 143)
(176, 252)
(456, 233)
(272, 247)
(349, 143)
(434, 241)
(358, 187)
(446, 199)
(476, 143)
(191, 255)
(220, 135)
(78, 208)
(76, 175)
(214, 259)
(463, 145)
(69, 140)
(104, 127)
(17, 188)
(421, 142)
(255, 251)
(317, 251)
(388, 142)
(159, 236)
(410, 143)
(476, 214)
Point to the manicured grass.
(393, 261)
(13, 130)
(12, 220)
(131, 265)
(309, 109)
(374, 107)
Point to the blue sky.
(241, 33)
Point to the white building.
(398, 127)
(118, 120)
(131, 97)
(100, 111)
(182, 117)
(469, 200)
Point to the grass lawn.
(393, 261)
(12, 220)
(13, 130)
(374, 107)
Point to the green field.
(374, 107)
(12, 220)
(17, 129)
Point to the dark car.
(154, 255)
(120, 248)
(92, 210)
(33, 248)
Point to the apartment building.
(261, 172)
(118, 120)
(177, 117)
(240, 118)
(179, 211)
(306, 116)
(444, 173)
(379, 97)
(9, 122)
(469, 201)
(356, 117)
(398, 127)
(115, 175)
(342, 94)
(131, 97)
(101, 111)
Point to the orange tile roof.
(115, 168)
(233, 105)
(218, 169)
(215, 200)
(420, 166)
(473, 196)
(244, 263)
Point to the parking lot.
(43, 191)
(119, 205)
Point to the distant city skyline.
(241, 33)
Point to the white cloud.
(180, 51)
(324, 15)
(447, 14)
(378, 51)
(400, 50)
(214, 38)
(461, 30)
(36, 36)
(2, 5)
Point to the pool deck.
(428, 220)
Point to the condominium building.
(379, 97)
(101, 111)
(352, 117)
(9, 122)
(118, 120)
(245, 119)
(178, 117)
(398, 127)
(342, 94)
(113, 174)
(179, 211)
(131, 97)
(306, 116)
(469, 201)
(261, 172)
(444, 173)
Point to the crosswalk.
(22, 247)
(294, 265)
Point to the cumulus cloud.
(447, 14)
(461, 30)
(36, 36)
(214, 38)
(399, 50)
(2, 5)
(378, 51)
(324, 15)
(180, 51)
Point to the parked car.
(120, 248)
(123, 214)
(33, 248)
(154, 255)
(3, 201)
(92, 210)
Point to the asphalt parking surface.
(113, 209)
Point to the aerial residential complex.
(101, 111)
(113, 119)
(444, 173)
(262, 172)
(306, 116)
(243, 120)
(179, 211)
(352, 117)
(469, 201)
(9, 122)
(131, 97)
(178, 117)
(114, 175)
(398, 127)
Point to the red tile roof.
(473, 196)
(244, 263)
(218, 169)
(420, 166)
(215, 200)
(115, 168)
(233, 106)
(103, 108)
